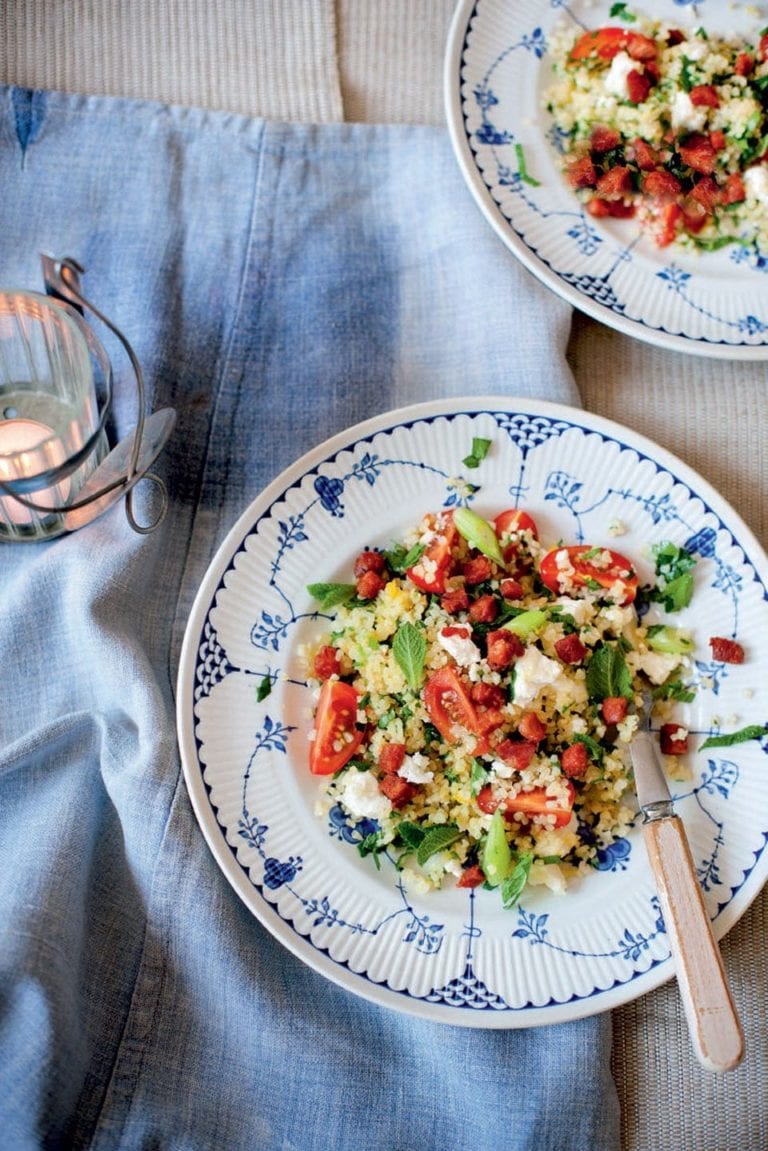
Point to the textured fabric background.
(316, 60)
(279, 283)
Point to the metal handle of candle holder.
(130, 460)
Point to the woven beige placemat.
(274, 59)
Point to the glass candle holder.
(50, 436)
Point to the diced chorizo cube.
(397, 790)
(391, 758)
(673, 738)
(614, 708)
(532, 727)
(454, 601)
(503, 648)
(570, 649)
(726, 650)
(477, 570)
(369, 584)
(484, 609)
(518, 753)
(370, 561)
(575, 760)
(326, 662)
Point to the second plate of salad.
(618, 150)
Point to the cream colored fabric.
(381, 60)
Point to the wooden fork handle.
(712, 1020)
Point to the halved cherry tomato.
(514, 520)
(337, 736)
(434, 566)
(605, 43)
(448, 703)
(589, 566)
(531, 803)
(507, 524)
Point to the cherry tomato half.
(605, 43)
(515, 520)
(337, 736)
(530, 803)
(588, 566)
(507, 524)
(434, 566)
(448, 704)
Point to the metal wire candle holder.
(115, 476)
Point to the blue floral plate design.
(497, 71)
(244, 715)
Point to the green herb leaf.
(674, 689)
(409, 647)
(331, 595)
(479, 452)
(608, 674)
(371, 845)
(621, 12)
(753, 731)
(675, 576)
(596, 751)
(400, 558)
(411, 834)
(512, 887)
(264, 689)
(522, 168)
(436, 839)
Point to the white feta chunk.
(457, 640)
(359, 795)
(415, 769)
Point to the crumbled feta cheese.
(756, 183)
(657, 665)
(415, 769)
(616, 77)
(580, 610)
(532, 672)
(359, 793)
(685, 115)
(459, 644)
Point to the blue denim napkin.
(278, 282)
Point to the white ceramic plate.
(457, 956)
(497, 69)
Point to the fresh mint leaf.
(436, 839)
(753, 731)
(409, 647)
(674, 575)
(400, 558)
(513, 886)
(608, 674)
(264, 689)
(330, 595)
(411, 834)
(675, 690)
(371, 845)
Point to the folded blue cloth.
(279, 283)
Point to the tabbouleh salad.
(666, 125)
(476, 698)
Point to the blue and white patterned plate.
(456, 956)
(497, 69)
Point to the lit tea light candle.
(28, 447)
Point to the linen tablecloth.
(278, 283)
